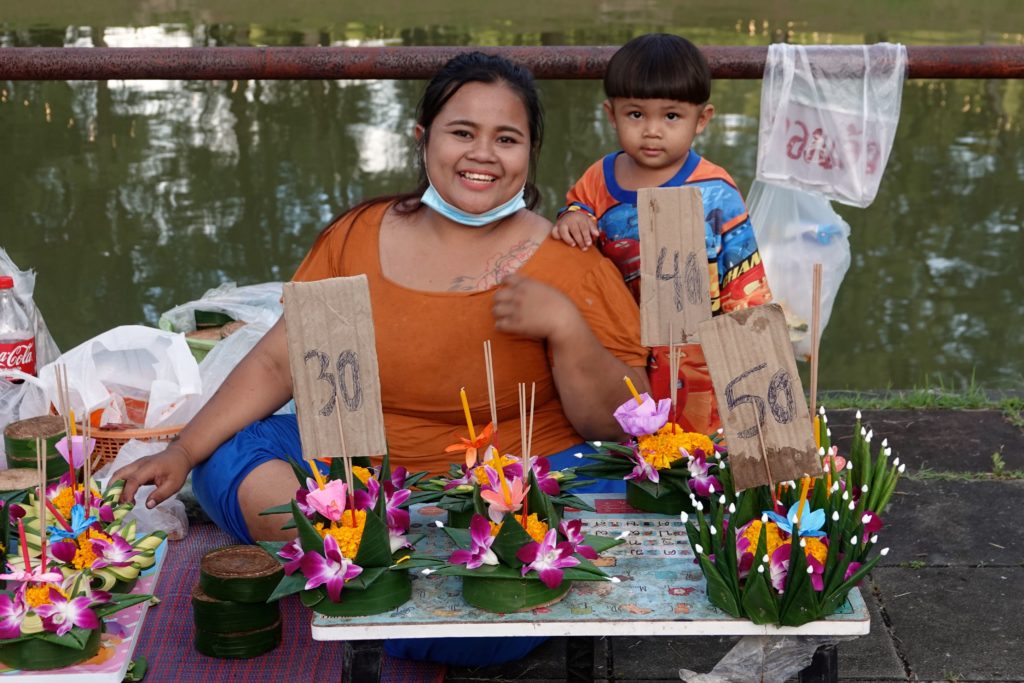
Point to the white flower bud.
(828, 432)
(711, 490)
(765, 558)
(902, 469)
(700, 506)
(721, 499)
(713, 530)
(683, 517)
(824, 419)
(835, 515)
(846, 495)
(427, 571)
(732, 508)
(760, 569)
(439, 524)
(874, 538)
(810, 569)
(885, 442)
(849, 464)
(580, 455)
(865, 519)
(864, 488)
(821, 451)
(821, 410)
(871, 434)
(764, 518)
(858, 414)
(863, 431)
(803, 543)
(853, 506)
(887, 452)
(835, 487)
(884, 552)
(699, 549)
(896, 462)
(853, 540)
(615, 579)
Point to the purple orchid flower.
(480, 545)
(32, 575)
(466, 479)
(817, 573)
(12, 613)
(302, 494)
(701, 481)
(293, 553)
(398, 477)
(64, 551)
(545, 480)
(744, 551)
(872, 526)
(851, 570)
(61, 615)
(573, 532)
(642, 470)
(331, 569)
(547, 559)
(116, 552)
(398, 518)
(646, 418)
(75, 456)
(779, 565)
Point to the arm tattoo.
(496, 268)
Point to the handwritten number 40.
(352, 399)
(780, 399)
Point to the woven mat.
(168, 632)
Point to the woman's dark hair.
(659, 66)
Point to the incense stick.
(815, 323)
(489, 369)
(87, 461)
(764, 457)
(41, 463)
(529, 431)
(673, 380)
(346, 463)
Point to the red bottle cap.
(6, 282)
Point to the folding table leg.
(824, 667)
(579, 659)
(361, 661)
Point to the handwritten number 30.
(779, 387)
(352, 399)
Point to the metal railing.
(548, 62)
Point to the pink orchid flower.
(293, 553)
(542, 471)
(61, 615)
(480, 545)
(398, 518)
(116, 552)
(75, 456)
(837, 462)
(302, 494)
(851, 569)
(573, 532)
(701, 481)
(646, 418)
(32, 575)
(547, 558)
(330, 500)
(872, 526)
(498, 503)
(642, 470)
(12, 613)
(817, 573)
(331, 569)
(779, 565)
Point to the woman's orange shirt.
(430, 344)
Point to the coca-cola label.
(18, 355)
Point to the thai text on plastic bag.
(829, 116)
(133, 374)
(795, 230)
(28, 399)
(252, 304)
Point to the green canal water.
(129, 197)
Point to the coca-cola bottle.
(17, 338)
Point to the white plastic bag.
(795, 230)
(829, 116)
(129, 362)
(169, 516)
(253, 304)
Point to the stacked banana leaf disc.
(232, 615)
(20, 443)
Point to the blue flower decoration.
(810, 522)
(79, 525)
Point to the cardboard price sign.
(674, 291)
(758, 390)
(333, 357)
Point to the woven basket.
(109, 441)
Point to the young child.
(658, 87)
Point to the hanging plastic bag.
(252, 304)
(28, 399)
(795, 230)
(133, 374)
(828, 117)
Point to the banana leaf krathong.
(510, 562)
(795, 560)
(664, 466)
(346, 561)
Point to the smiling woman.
(459, 261)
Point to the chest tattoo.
(496, 268)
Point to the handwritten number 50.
(354, 398)
(779, 387)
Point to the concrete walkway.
(947, 603)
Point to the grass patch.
(914, 564)
(928, 474)
(932, 395)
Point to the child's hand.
(576, 229)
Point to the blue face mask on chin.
(435, 201)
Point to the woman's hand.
(167, 470)
(533, 309)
